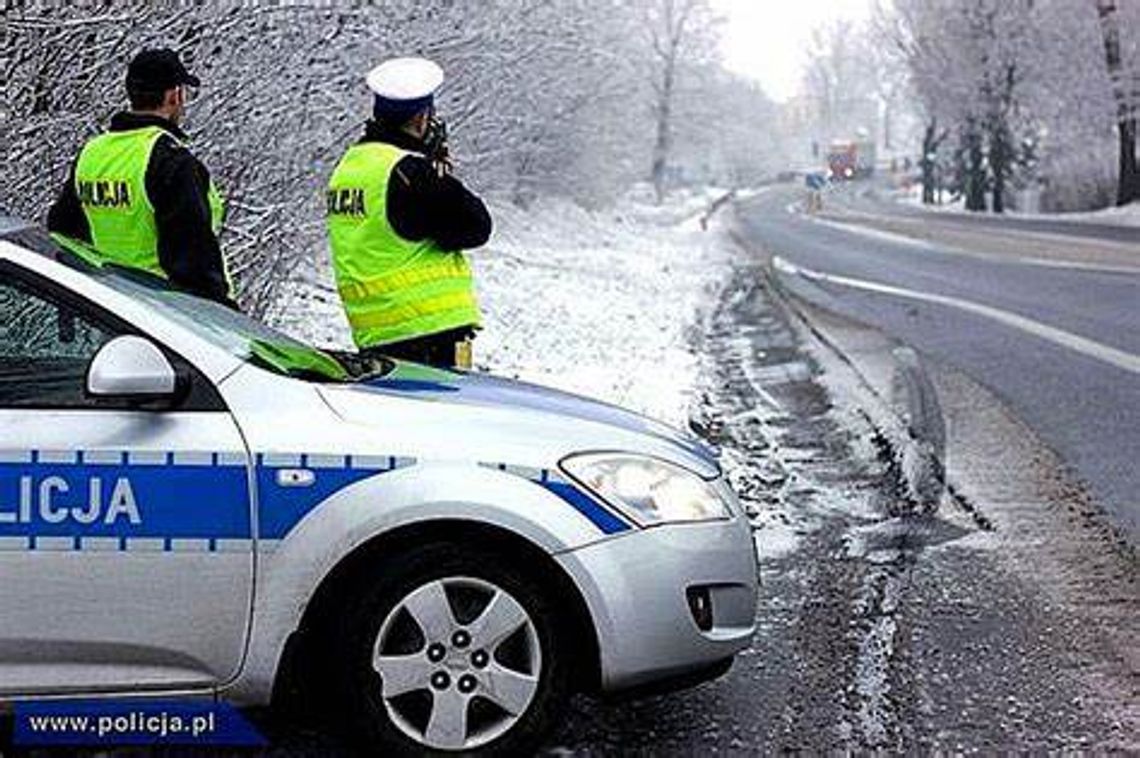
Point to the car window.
(45, 348)
(232, 331)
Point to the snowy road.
(1056, 338)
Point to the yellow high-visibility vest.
(110, 181)
(392, 289)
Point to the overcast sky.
(764, 39)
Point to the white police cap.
(405, 79)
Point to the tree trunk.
(1128, 188)
(887, 113)
(975, 179)
(929, 146)
(999, 156)
(662, 146)
(1128, 183)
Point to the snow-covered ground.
(596, 303)
(912, 195)
(1128, 215)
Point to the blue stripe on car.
(48, 499)
(282, 508)
(602, 518)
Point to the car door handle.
(296, 477)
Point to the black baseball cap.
(157, 70)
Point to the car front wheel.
(452, 649)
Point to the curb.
(908, 417)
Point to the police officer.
(138, 197)
(398, 222)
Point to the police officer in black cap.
(136, 196)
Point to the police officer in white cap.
(398, 222)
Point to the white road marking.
(1075, 342)
(741, 347)
(854, 227)
(867, 231)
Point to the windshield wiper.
(362, 369)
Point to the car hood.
(520, 408)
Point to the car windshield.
(234, 332)
(237, 333)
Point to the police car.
(192, 503)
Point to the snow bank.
(596, 303)
(912, 195)
(1128, 215)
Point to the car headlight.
(647, 490)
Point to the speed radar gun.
(435, 143)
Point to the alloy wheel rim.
(459, 660)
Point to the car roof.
(30, 237)
(11, 224)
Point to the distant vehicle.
(851, 158)
(194, 504)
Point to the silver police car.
(192, 503)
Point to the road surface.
(1007, 622)
(876, 200)
(1058, 340)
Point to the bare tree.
(1125, 90)
(1049, 87)
(540, 97)
(679, 34)
(284, 95)
(907, 33)
(840, 80)
(728, 132)
(891, 86)
(969, 62)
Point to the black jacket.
(177, 185)
(424, 205)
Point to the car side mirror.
(134, 370)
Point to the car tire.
(413, 681)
